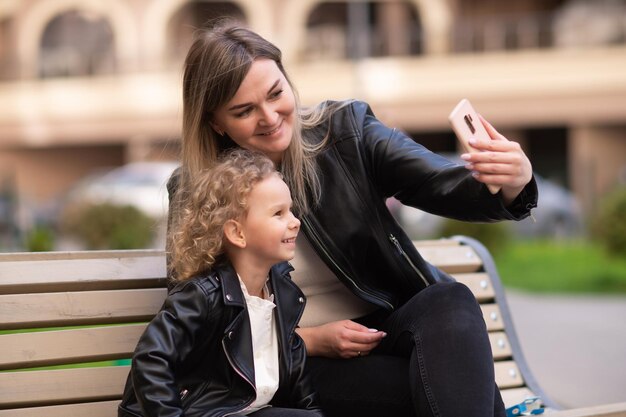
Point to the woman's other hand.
(502, 162)
(340, 339)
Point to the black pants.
(436, 361)
(282, 412)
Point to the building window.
(190, 17)
(490, 25)
(353, 30)
(77, 43)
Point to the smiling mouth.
(290, 240)
(271, 132)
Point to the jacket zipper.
(396, 243)
(345, 275)
(230, 361)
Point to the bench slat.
(95, 409)
(492, 316)
(19, 277)
(32, 388)
(500, 345)
(511, 396)
(78, 254)
(451, 259)
(479, 284)
(21, 311)
(92, 384)
(24, 350)
(508, 374)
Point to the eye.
(244, 113)
(276, 94)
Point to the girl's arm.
(303, 396)
(166, 342)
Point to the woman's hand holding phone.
(493, 159)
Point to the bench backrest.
(87, 310)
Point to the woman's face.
(261, 114)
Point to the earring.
(219, 132)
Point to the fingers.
(493, 133)
(499, 162)
(355, 340)
(498, 146)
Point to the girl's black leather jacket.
(195, 357)
(363, 164)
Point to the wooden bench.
(87, 309)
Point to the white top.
(327, 299)
(264, 346)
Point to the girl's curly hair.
(218, 194)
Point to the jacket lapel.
(236, 339)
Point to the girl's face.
(270, 228)
(261, 115)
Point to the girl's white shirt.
(264, 346)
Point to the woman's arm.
(417, 177)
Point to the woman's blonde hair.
(215, 66)
(215, 195)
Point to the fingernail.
(372, 330)
(469, 166)
(384, 334)
(472, 141)
(475, 174)
(465, 156)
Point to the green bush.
(108, 226)
(495, 236)
(40, 239)
(609, 223)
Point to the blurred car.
(558, 214)
(138, 184)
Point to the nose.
(294, 223)
(269, 115)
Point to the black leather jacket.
(195, 357)
(352, 230)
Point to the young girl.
(224, 342)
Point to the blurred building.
(86, 84)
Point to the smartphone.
(467, 125)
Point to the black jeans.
(282, 412)
(436, 361)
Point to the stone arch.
(435, 16)
(36, 19)
(257, 12)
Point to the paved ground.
(574, 345)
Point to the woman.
(386, 333)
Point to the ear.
(215, 127)
(233, 232)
